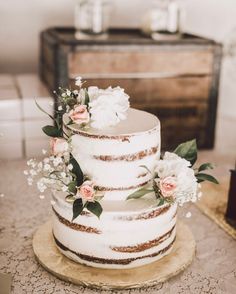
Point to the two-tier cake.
(129, 233)
(114, 197)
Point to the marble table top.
(22, 211)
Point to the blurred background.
(176, 59)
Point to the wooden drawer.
(144, 60)
(151, 90)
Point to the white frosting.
(112, 158)
(143, 134)
(116, 231)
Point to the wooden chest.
(175, 79)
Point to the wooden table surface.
(21, 212)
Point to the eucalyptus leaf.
(87, 99)
(52, 131)
(188, 151)
(205, 166)
(41, 109)
(72, 187)
(70, 198)
(77, 208)
(95, 208)
(161, 201)
(147, 169)
(201, 177)
(77, 171)
(139, 193)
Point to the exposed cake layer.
(128, 234)
(114, 157)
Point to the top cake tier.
(114, 157)
(137, 121)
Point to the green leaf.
(161, 201)
(95, 208)
(41, 109)
(72, 187)
(139, 193)
(205, 166)
(70, 198)
(77, 171)
(77, 208)
(87, 99)
(51, 131)
(147, 169)
(188, 151)
(201, 177)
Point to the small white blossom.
(44, 151)
(188, 214)
(68, 92)
(59, 108)
(63, 95)
(26, 172)
(199, 195)
(70, 166)
(63, 174)
(78, 81)
(57, 161)
(47, 167)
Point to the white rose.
(173, 166)
(107, 107)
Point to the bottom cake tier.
(127, 235)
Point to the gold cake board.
(214, 202)
(157, 272)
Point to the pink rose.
(168, 186)
(79, 115)
(86, 191)
(58, 146)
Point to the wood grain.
(170, 61)
(151, 90)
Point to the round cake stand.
(157, 272)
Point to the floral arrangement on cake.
(175, 178)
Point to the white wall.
(22, 20)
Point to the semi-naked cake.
(119, 160)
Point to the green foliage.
(205, 166)
(188, 151)
(52, 131)
(139, 193)
(95, 208)
(77, 171)
(72, 187)
(201, 177)
(87, 99)
(77, 208)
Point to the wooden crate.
(175, 79)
